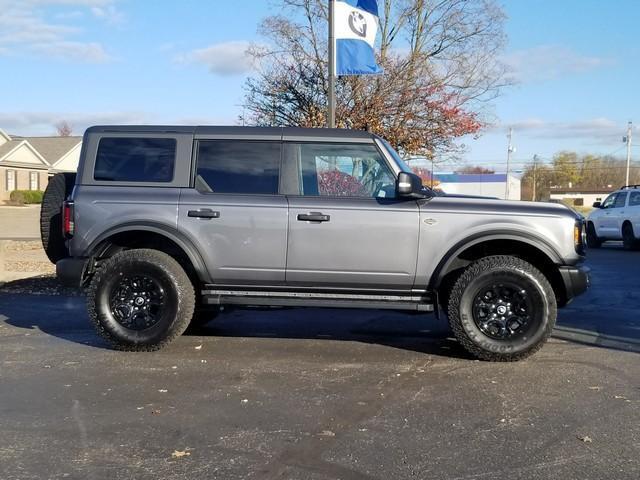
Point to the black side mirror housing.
(409, 185)
(597, 205)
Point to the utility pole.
(432, 172)
(535, 168)
(331, 114)
(510, 150)
(628, 140)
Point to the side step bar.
(316, 299)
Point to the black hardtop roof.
(239, 132)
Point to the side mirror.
(409, 185)
(597, 205)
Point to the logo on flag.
(356, 26)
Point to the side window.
(343, 170)
(634, 200)
(621, 200)
(121, 159)
(608, 202)
(246, 167)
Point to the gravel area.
(23, 259)
(39, 285)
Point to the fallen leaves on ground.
(180, 454)
(585, 439)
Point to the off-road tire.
(629, 240)
(593, 241)
(58, 189)
(180, 299)
(509, 270)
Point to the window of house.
(10, 180)
(122, 159)
(242, 167)
(343, 170)
(34, 181)
(579, 202)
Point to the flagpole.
(331, 114)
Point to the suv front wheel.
(140, 300)
(502, 308)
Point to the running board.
(316, 299)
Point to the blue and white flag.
(355, 27)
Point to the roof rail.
(630, 186)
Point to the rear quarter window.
(135, 159)
(634, 200)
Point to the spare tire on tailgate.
(58, 189)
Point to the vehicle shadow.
(40, 304)
(415, 332)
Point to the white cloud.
(109, 14)
(31, 27)
(548, 62)
(43, 123)
(226, 58)
(596, 130)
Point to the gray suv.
(164, 225)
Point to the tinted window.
(344, 170)
(238, 167)
(135, 159)
(621, 200)
(635, 199)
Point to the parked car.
(163, 223)
(616, 218)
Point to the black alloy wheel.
(503, 311)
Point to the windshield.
(403, 166)
(406, 168)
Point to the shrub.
(20, 197)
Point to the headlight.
(579, 237)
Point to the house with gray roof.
(27, 162)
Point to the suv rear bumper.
(576, 280)
(70, 271)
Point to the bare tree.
(64, 129)
(475, 170)
(441, 71)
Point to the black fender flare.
(524, 237)
(167, 231)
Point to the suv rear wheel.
(628, 237)
(502, 309)
(140, 300)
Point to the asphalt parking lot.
(323, 394)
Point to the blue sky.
(126, 61)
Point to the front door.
(602, 219)
(346, 228)
(617, 215)
(235, 213)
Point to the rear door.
(234, 211)
(346, 228)
(633, 213)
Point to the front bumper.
(576, 280)
(70, 271)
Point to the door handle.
(313, 217)
(203, 213)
